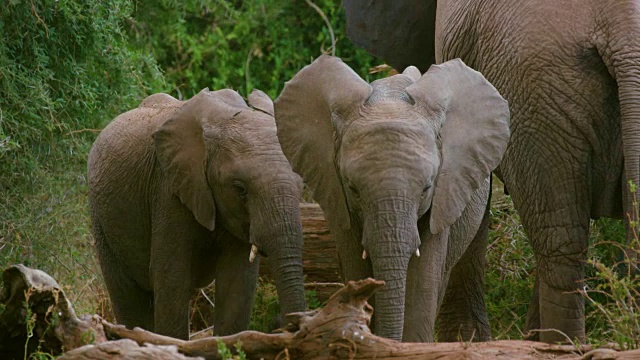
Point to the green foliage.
(615, 302)
(613, 287)
(226, 353)
(64, 66)
(510, 270)
(239, 44)
(65, 69)
(312, 300)
(266, 308)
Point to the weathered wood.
(33, 300)
(125, 349)
(337, 331)
(340, 331)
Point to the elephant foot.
(561, 315)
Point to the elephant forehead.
(254, 167)
(388, 144)
(243, 132)
(397, 131)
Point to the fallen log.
(337, 331)
(125, 349)
(340, 331)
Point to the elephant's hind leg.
(556, 220)
(463, 315)
(132, 305)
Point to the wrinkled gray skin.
(571, 73)
(178, 192)
(397, 166)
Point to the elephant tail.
(618, 43)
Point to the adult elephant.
(401, 170)
(571, 73)
(182, 193)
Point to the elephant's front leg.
(171, 270)
(354, 265)
(426, 281)
(236, 281)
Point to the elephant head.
(223, 160)
(380, 157)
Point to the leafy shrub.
(64, 66)
(239, 44)
(65, 69)
(612, 290)
(227, 354)
(510, 270)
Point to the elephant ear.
(312, 104)
(261, 101)
(474, 134)
(182, 151)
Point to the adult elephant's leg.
(463, 314)
(132, 305)
(236, 281)
(551, 194)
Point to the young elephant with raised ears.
(401, 169)
(182, 193)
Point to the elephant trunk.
(286, 267)
(277, 231)
(391, 237)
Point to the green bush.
(239, 44)
(66, 68)
(510, 271)
(612, 290)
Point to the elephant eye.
(425, 189)
(238, 186)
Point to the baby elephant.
(401, 169)
(185, 192)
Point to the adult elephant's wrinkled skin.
(571, 73)
(401, 169)
(181, 192)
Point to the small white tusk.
(418, 252)
(253, 253)
(364, 254)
